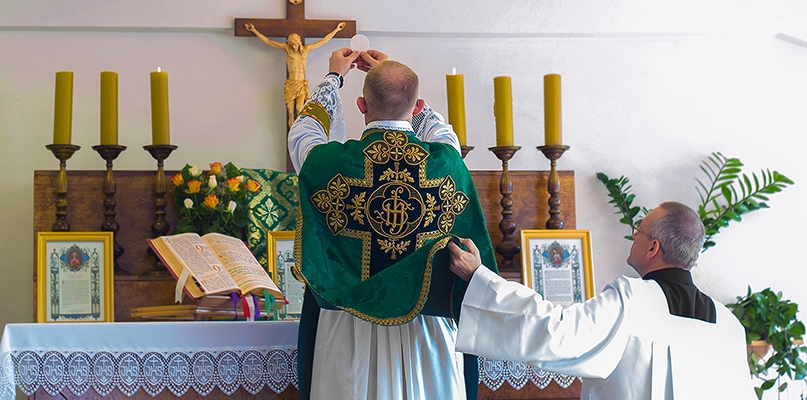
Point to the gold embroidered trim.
(319, 114)
(424, 293)
(298, 246)
(366, 241)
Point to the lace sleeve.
(308, 132)
(430, 126)
(327, 95)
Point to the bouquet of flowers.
(215, 201)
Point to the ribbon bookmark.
(250, 312)
(183, 278)
(235, 305)
(271, 303)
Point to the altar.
(128, 359)
(190, 359)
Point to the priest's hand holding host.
(657, 336)
(343, 60)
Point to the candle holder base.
(464, 150)
(110, 153)
(508, 248)
(62, 152)
(160, 227)
(553, 153)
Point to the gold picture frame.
(79, 264)
(562, 257)
(280, 256)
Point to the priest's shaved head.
(390, 91)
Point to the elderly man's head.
(669, 236)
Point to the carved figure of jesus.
(295, 91)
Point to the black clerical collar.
(683, 297)
(677, 275)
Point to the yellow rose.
(215, 168)
(253, 185)
(194, 186)
(177, 179)
(234, 184)
(211, 200)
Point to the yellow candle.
(63, 108)
(503, 110)
(160, 129)
(109, 108)
(455, 93)
(552, 133)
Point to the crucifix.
(296, 28)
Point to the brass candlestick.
(464, 150)
(109, 153)
(160, 226)
(553, 153)
(63, 152)
(508, 248)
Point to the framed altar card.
(74, 277)
(280, 253)
(556, 263)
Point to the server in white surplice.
(655, 337)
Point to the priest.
(380, 308)
(657, 337)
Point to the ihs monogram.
(394, 203)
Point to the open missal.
(213, 264)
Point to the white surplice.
(355, 359)
(623, 342)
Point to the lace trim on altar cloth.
(104, 371)
(495, 372)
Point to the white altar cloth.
(201, 355)
(149, 355)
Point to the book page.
(201, 262)
(241, 264)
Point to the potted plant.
(774, 337)
(726, 196)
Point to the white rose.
(188, 203)
(212, 182)
(195, 171)
(231, 206)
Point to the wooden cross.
(295, 22)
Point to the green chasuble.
(375, 215)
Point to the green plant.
(766, 316)
(725, 196)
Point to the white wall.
(650, 89)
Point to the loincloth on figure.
(295, 89)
